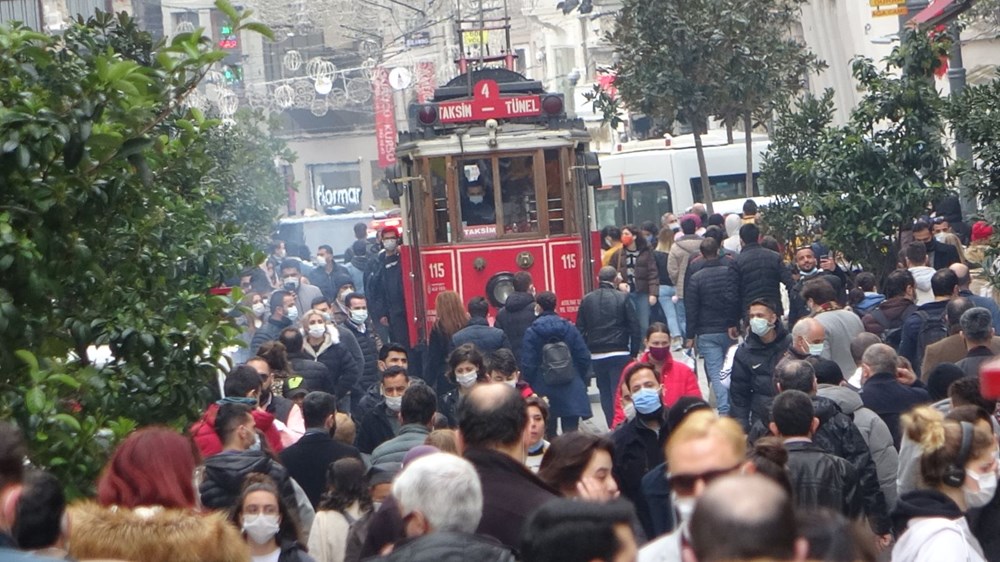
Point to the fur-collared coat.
(153, 534)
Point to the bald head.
(879, 358)
(607, 274)
(492, 416)
(757, 516)
(954, 310)
(807, 331)
(962, 272)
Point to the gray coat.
(389, 455)
(875, 433)
(841, 326)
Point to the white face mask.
(760, 326)
(359, 316)
(394, 403)
(511, 383)
(390, 244)
(261, 528)
(987, 488)
(475, 199)
(255, 446)
(258, 309)
(291, 283)
(629, 410)
(317, 330)
(684, 507)
(293, 313)
(466, 380)
(941, 237)
(815, 348)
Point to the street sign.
(418, 39)
(900, 11)
(475, 37)
(488, 104)
(400, 78)
(878, 3)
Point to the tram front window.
(476, 187)
(517, 192)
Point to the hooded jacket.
(335, 352)
(922, 275)
(208, 442)
(677, 380)
(517, 314)
(751, 387)
(931, 528)
(478, 332)
(315, 375)
(225, 472)
(895, 310)
(153, 534)
(868, 303)
(683, 251)
(568, 400)
(875, 433)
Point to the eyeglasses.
(684, 484)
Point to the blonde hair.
(664, 240)
(940, 442)
(451, 315)
(706, 423)
(444, 439)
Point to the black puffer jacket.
(343, 362)
(751, 387)
(450, 546)
(761, 274)
(838, 436)
(479, 333)
(514, 318)
(225, 472)
(608, 322)
(711, 298)
(820, 479)
(369, 352)
(315, 375)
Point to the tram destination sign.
(487, 103)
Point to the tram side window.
(517, 192)
(554, 192)
(476, 185)
(439, 196)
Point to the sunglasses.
(684, 484)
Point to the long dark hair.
(567, 457)
(345, 481)
(640, 241)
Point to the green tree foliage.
(862, 181)
(114, 223)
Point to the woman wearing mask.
(578, 465)
(534, 437)
(345, 502)
(270, 528)
(331, 348)
(677, 378)
(451, 317)
(250, 321)
(465, 370)
(958, 469)
(341, 314)
(147, 507)
(640, 278)
(676, 322)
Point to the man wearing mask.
(940, 255)
(702, 448)
(283, 314)
(808, 339)
(291, 282)
(385, 290)
(639, 442)
(361, 327)
(381, 423)
(328, 274)
(751, 386)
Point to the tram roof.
(511, 137)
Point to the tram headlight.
(427, 114)
(553, 105)
(499, 287)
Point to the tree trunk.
(706, 189)
(729, 132)
(748, 131)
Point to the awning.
(941, 11)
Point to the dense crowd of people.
(844, 420)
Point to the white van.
(335, 230)
(645, 179)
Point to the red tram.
(494, 180)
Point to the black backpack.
(892, 331)
(557, 363)
(932, 328)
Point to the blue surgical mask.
(815, 349)
(647, 400)
(293, 313)
(475, 199)
(760, 326)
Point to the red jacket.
(678, 380)
(207, 440)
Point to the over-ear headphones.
(954, 475)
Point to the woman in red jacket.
(678, 379)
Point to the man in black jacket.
(328, 275)
(314, 375)
(836, 434)
(940, 255)
(381, 422)
(308, 459)
(888, 390)
(518, 312)
(712, 307)
(762, 271)
(478, 332)
(282, 310)
(361, 327)
(751, 383)
(384, 288)
(608, 323)
(819, 479)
